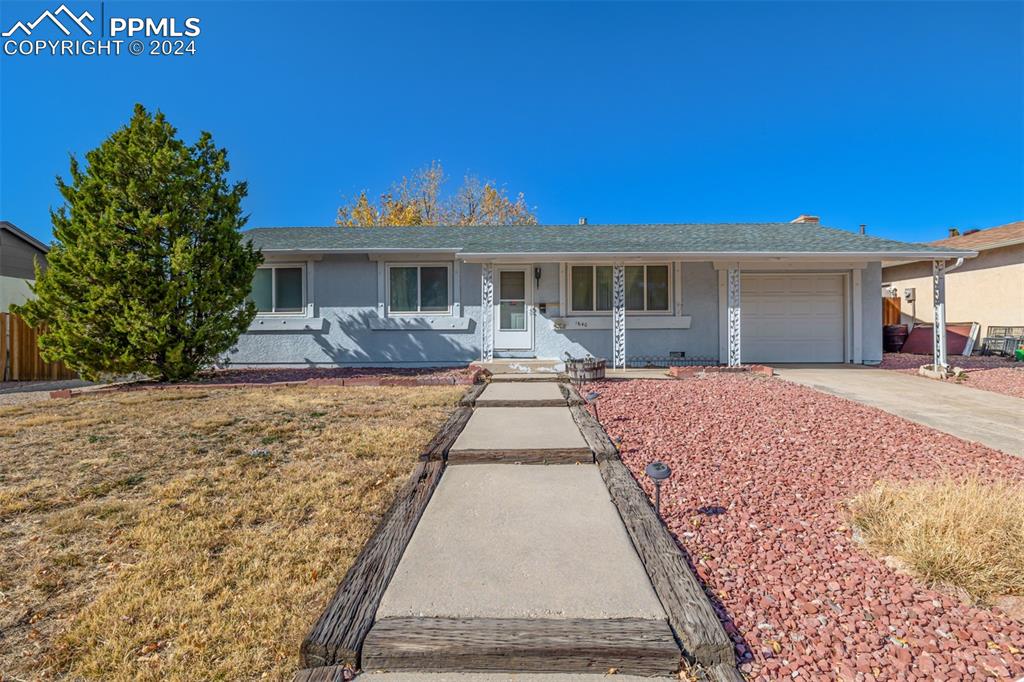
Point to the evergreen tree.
(149, 271)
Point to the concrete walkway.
(979, 416)
(521, 394)
(520, 435)
(505, 541)
(520, 562)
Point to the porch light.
(657, 472)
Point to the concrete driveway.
(984, 417)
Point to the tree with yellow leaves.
(421, 200)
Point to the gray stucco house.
(716, 293)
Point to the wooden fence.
(19, 353)
(890, 310)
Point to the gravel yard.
(986, 372)
(762, 471)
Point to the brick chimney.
(802, 218)
(953, 232)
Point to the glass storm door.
(514, 302)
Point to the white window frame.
(419, 290)
(670, 310)
(302, 312)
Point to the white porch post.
(618, 316)
(487, 312)
(939, 301)
(734, 316)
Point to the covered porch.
(644, 312)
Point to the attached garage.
(793, 318)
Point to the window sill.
(286, 323)
(419, 323)
(632, 322)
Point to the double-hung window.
(419, 289)
(279, 289)
(647, 288)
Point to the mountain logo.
(27, 28)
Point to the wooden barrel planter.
(893, 337)
(585, 369)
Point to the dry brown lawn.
(964, 534)
(191, 533)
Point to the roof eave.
(726, 255)
(375, 249)
(999, 245)
(24, 236)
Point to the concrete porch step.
(629, 645)
(527, 378)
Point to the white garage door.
(792, 318)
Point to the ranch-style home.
(633, 294)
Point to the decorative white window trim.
(665, 322)
(673, 286)
(384, 279)
(307, 294)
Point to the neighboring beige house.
(988, 289)
(19, 252)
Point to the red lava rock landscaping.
(1005, 380)
(911, 361)
(761, 470)
(986, 372)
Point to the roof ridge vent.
(804, 218)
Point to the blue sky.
(908, 117)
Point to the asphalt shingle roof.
(1002, 235)
(716, 238)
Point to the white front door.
(513, 314)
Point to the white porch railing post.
(618, 316)
(487, 312)
(939, 301)
(734, 317)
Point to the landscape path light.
(657, 472)
(592, 399)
